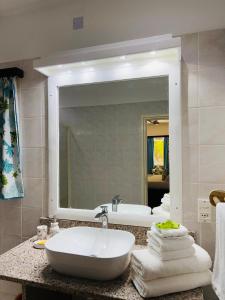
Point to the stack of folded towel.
(164, 208)
(171, 263)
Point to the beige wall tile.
(11, 220)
(191, 164)
(32, 102)
(189, 50)
(34, 189)
(206, 188)
(193, 94)
(212, 164)
(191, 202)
(211, 48)
(30, 220)
(9, 241)
(208, 237)
(32, 78)
(211, 86)
(45, 198)
(193, 126)
(212, 125)
(32, 159)
(32, 132)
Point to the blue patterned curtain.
(150, 152)
(11, 185)
(166, 154)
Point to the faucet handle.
(104, 208)
(117, 199)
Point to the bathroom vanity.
(29, 266)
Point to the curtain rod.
(11, 72)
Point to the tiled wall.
(203, 74)
(19, 218)
(106, 151)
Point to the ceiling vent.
(78, 23)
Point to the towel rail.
(217, 196)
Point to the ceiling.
(15, 7)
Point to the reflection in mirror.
(157, 134)
(103, 129)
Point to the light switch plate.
(204, 211)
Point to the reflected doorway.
(157, 165)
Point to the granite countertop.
(29, 266)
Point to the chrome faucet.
(116, 200)
(103, 216)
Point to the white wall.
(43, 32)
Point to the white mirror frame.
(103, 74)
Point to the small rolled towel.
(173, 284)
(171, 255)
(160, 211)
(165, 203)
(150, 267)
(167, 244)
(166, 233)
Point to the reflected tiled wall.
(203, 73)
(19, 218)
(106, 151)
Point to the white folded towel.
(218, 279)
(182, 231)
(166, 196)
(167, 244)
(170, 255)
(165, 206)
(165, 203)
(160, 211)
(173, 284)
(150, 267)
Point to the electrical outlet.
(204, 211)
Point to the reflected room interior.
(158, 166)
(102, 137)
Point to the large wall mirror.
(115, 131)
(103, 131)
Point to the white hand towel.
(218, 278)
(150, 267)
(166, 207)
(182, 231)
(166, 244)
(160, 211)
(171, 255)
(165, 202)
(173, 284)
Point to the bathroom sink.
(88, 252)
(128, 209)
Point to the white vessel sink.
(128, 209)
(88, 252)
